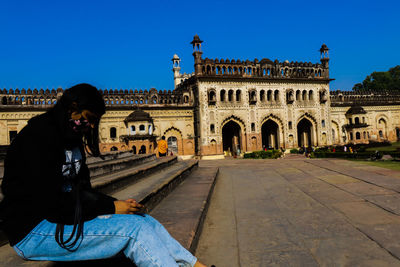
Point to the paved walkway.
(302, 212)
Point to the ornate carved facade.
(227, 106)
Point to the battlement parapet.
(349, 98)
(112, 97)
(264, 68)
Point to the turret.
(197, 54)
(324, 50)
(176, 68)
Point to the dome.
(355, 110)
(138, 115)
(324, 47)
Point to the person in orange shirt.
(162, 147)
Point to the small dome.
(138, 115)
(355, 110)
(324, 47)
(196, 39)
(175, 56)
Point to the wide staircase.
(176, 193)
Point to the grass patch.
(393, 147)
(392, 165)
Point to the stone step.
(108, 183)
(183, 211)
(149, 191)
(101, 167)
(109, 156)
(154, 188)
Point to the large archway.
(173, 144)
(270, 134)
(231, 132)
(304, 133)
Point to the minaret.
(197, 54)
(324, 50)
(176, 68)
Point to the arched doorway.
(270, 134)
(304, 133)
(382, 127)
(231, 136)
(173, 144)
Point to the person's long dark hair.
(77, 98)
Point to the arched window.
(365, 135)
(297, 95)
(323, 123)
(230, 95)
(310, 95)
(253, 97)
(212, 128)
(186, 99)
(358, 136)
(142, 149)
(134, 149)
(253, 127)
(351, 136)
(357, 120)
(142, 128)
(276, 95)
(262, 95)
(114, 148)
(380, 134)
(222, 95)
(113, 132)
(304, 96)
(133, 129)
(211, 96)
(238, 95)
(269, 95)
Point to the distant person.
(345, 148)
(162, 147)
(50, 212)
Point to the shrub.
(270, 154)
(294, 151)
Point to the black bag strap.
(77, 230)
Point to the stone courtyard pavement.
(302, 212)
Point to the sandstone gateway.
(228, 105)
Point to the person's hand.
(129, 206)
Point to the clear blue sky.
(129, 44)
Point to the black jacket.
(32, 183)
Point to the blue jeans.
(141, 238)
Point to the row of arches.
(174, 99)
(28, 100)
(236, 95)
(262, 72)
(271, 135)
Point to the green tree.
(381, 81)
